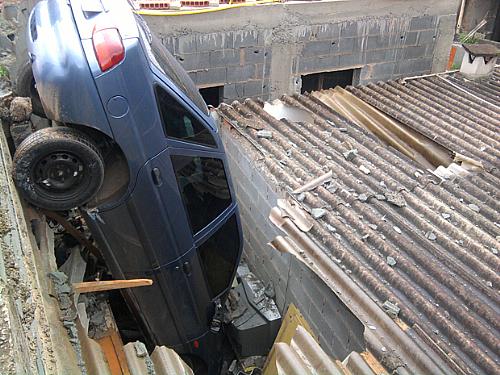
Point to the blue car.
(133, 146)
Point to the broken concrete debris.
(391, 309)
(267, 134)
(362, 197)
(391, 261)
(430, 236)
(474, 207)
(331, 228)
(68, 313)
(318, 213)
(364, 169)
(396, 199)
(350, 154)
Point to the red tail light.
(108, 47)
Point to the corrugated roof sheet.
(401, 234)
(461, 114)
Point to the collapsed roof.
(424, 242)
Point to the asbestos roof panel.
(460, 114)
(396, 230)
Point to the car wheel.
(25, 87)
(58, 168)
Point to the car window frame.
(194, 112)
(188, 110)
(208, 230)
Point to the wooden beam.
(101, 286)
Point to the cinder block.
(245, 38)
(319, 48)
(303, 33)
(377, 42)
(382, 55)
(257, 55)
(423, 23)
(383, 69)
(318, 64)
(413, 52)
(232, 91)
(351, 59)
(410, 38)
(416, 65)
(240, 73)
(262, 70)
(211, 76)
(252, 88)
(186, 44)
(194, 61)
(427, 36)
(350, 45)
(327, 31)
(265, 38)
(374, 26)
(169, 43)
(350, 29)
(225, 57)
(214, 41)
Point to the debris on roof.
(460, 114)
(440, 266)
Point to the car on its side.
(134, 147)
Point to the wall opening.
(329, 80)
(213, 95)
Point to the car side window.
(219, 256)
(203, 186)
(178, 123)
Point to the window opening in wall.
(213, 95)
(328, 80)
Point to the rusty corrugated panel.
(461, 114)
(403, 138)
(396, 231)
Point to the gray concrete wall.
(263, 51)
(338, 330)
(476, 10)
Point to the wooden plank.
(100, 286)
(110, 354)
(120, 353)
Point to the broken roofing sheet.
(428, 247)
(460, 114)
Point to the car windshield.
(163, 60)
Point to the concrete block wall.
(238, 60)
(264, 51)
(338, 330)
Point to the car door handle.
(187, 268)
(156, 175)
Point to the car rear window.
(178, 123)
(203, 186)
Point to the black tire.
(58, 168)
(26, 87)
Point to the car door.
(197, 176)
